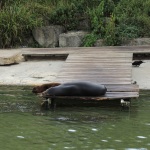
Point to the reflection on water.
(91, 128)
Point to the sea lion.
(76, 89)
(43, 87)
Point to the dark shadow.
(32, 57)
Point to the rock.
(28, 42)
(9, 59)
(136, 42)
(71, 39)
(84, 24)
(48, 36)
(99, 43)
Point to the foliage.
(16, 23)
(111, 37)
(134, 14)
(90, 39)
(19, 17)
(99, 18)
(119, 20)
(127, 32)
(69, 13)
(111, 20)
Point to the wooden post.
(53, 104)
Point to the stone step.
(9, 57)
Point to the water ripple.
(141, 137)
(72, 130)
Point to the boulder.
(99, 43)
(48, 36)
(71, 39)
(9, 58)
(84, 24)
(136, 42)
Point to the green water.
(67, 128)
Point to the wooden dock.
(113, 69)
(111, 66)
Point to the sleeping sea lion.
(82, 88)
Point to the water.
(77, 128)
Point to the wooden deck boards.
(112, 69)
(103, 68)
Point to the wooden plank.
(99, 80)
(94, 80)
(104, 60)
(96, 76)
(85, 71)
(98, 70)
(95, 67)
(90, 73)
(72, 50)
(103, 64)
(95, 56)
(101, 77)
(122, 88)
(100, 67)
(105, 75)
(100, 55)
(95, 53)
(114, 94)
(107, 96)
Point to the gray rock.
(9, 59)
(136, 42)
(71, 39)
(99, 43)
(84, 24)
(48, 36)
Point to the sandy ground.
(30, 72)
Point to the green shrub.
(111, 37)
(116, 34)
(116, 21)
(89, 40)
(68, 14)
(111, 20)
(134, 14)
(19, 17)
(16, 23)
(99, 17)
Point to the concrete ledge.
(71, 39)
(8, 57)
